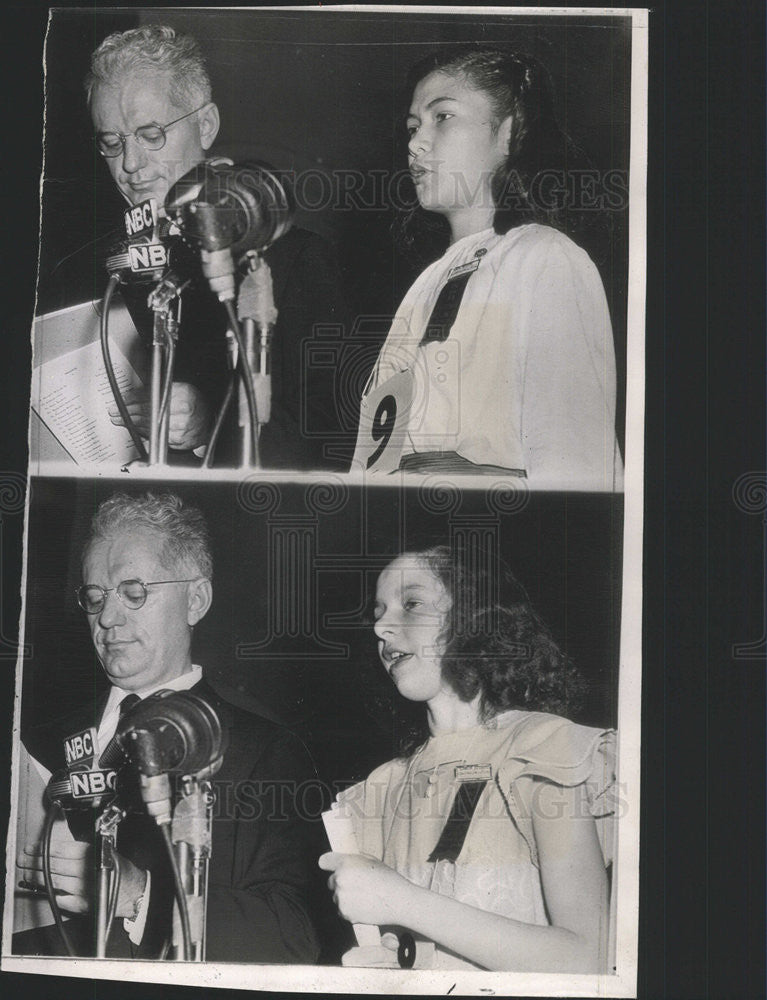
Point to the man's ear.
(209, 122)
(200, 596)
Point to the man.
(146, 583)
(149, 95)
(137, 78)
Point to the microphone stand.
(191, 833)
(106, 875)
(165, 303)
(256, 309)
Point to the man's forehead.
(138, 548)
(144, 94)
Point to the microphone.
(82, 789)
(137, 261)
(171, 732)
(143, 257)
(228, 210)
(221, 205)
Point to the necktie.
(127, 703)
(446, 309)
(454, 832)
(113, 754)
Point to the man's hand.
(73, 875)
(71, 872)
(189, 425)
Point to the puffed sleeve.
(560, 752)
(367, 805)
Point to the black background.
(702, 857)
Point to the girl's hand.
(366, 891)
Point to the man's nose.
(134, 154)
(113, 612)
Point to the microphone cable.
(210, 451)
(247, 376)
(112, 284)
(114, 892)
(50, 818)
(186, 931)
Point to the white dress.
(399, 811)
(526, 378)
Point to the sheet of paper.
(72, 396)
(30, 910)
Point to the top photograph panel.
(382, 243)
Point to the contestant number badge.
(384, 415)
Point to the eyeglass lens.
(132, 593)
(150, 136)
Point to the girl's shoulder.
(534, 253)
(383, 777)
(552, 747)
(536, 239)
(527, 252)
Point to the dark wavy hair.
(519, 86)
(496, 645)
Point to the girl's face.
(453, 150)
(410, 611)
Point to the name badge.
(473, 772)
(467, 268)
(384, 416)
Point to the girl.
(491, 839)
(500, 359)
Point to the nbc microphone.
(170, 732)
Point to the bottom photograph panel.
(306, 724)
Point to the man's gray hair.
(185, 537)
(153, 47)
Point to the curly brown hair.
(497, 646)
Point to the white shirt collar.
(181, 683)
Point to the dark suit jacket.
(263, 859)
(306, 415)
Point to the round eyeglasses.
(131, 593)
(151, 136)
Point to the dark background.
(702, 851)
(322, 95)
(320, 674)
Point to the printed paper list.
(73, 398)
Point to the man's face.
(151, 645)
(140, 98)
